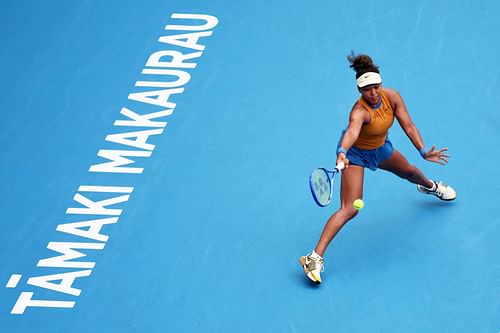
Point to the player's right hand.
(342, 158)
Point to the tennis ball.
(358, 204)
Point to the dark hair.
(362, 64)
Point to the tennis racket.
(321, 184)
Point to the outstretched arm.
(357, 117)
(406, 123)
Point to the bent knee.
(348, 212)
(408, 173)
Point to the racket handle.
(340, 166)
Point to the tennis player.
(365, 144)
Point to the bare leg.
(400, 166)
(351, 189)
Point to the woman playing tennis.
(364, 144)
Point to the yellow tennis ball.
(358, 204)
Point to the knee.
(348, 212)
(409, 173)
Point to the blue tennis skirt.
(368, 158)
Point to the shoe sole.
(441, 198)
(424, 192)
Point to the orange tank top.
(374, 133)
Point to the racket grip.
(340, 166)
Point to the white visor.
(368, 78)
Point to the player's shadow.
(301, 280)
(388, 239)
(435, 204)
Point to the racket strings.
(321, 186)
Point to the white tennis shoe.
(313, 266)
(442, 191)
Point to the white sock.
(314, 254)
(433, 188)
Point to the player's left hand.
(437, 156)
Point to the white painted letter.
(68, 254)
(93, 228)
(143, 120)
(177, 61)
(117, 160)
(182, 78)
(189, 40)
(210, 22)
(25, 301)
(140, 141)
(67, 280)
(97, 207)
(105, 189)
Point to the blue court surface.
(156, 155)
